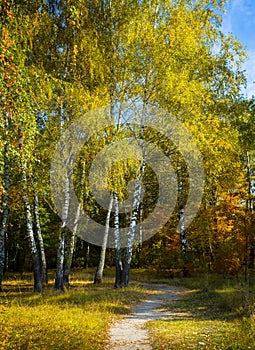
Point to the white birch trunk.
(87, 256)
(30, 233)
(5, 211)
(182, 228)
(70, 246)
(40, 241)
(99, 272)
(118, 261)
(181, 222)
(132, 228)
(59, 282)
(140, 233)
(249, 256)
(70, 241)
(59, 279)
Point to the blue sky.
(239, 20)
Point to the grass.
(203, 334)
(214, 313)
(77, 319)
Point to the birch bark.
(30, 233)
(70, 246)
(59, 279)
(132, 228)
(99, 272)
(40, 241)
(118, 261)
(5, 204)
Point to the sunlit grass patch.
(78, 319)
(215, 314)
(53, 327)
(202, 334)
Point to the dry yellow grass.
(78, 319)
(215, 313)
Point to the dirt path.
(130, 333)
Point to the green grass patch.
(215, 313)
(203, 334)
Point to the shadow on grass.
(209, 297)
(213, 305)
(86, 296)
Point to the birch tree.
(41, 250)
(8, 80)
(62, 59)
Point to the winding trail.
(130, 333)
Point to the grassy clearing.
(214, 314)
(76, 319)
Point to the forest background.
(61, 59)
